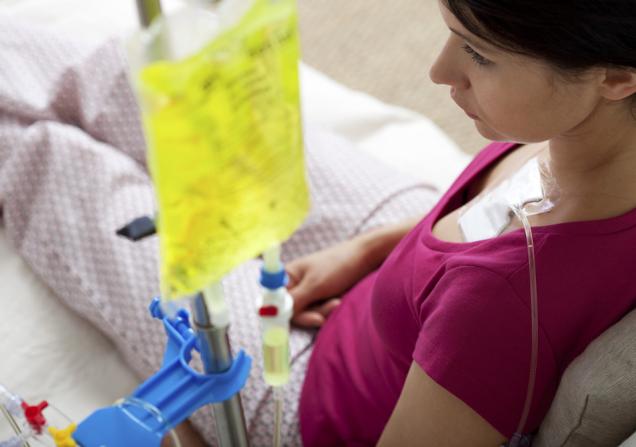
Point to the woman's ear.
(618, 83)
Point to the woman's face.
(511, 97)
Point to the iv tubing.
(176, 442)
(271, 259)
(535, 326)
(175, 438)
(14, 425)
(273, 264)
(278, 416)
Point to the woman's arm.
(428, 415)
(378, 243)
(318, 280)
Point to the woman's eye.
(478, 58)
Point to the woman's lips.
(454, 96)
(475, 117)
(472, 115)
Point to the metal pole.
(148, 10)
(217, 357)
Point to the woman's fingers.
(315, 316)
(304, 294)
(300, 287)
(325, 308)
(294, 272)
(308, 318)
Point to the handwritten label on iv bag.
(225, 148)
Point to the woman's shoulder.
(482, 160)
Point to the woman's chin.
(518, 137)
(488, 132)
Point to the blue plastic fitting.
(273, 281)
(167, 398)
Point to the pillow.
(630, 442)
(595, 404)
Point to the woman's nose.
(447, 70)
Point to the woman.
(433, 347)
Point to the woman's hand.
(317, 281)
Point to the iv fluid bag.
(225, 147)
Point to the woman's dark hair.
(571, 35)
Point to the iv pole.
(217, 357)
(215, 349)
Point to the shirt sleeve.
(475, 341)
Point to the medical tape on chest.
(531, 189)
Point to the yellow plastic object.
(62, 437)
(276, 356)
(225, 140)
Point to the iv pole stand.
(216, 354)
(214, 342)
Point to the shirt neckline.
(598, 226)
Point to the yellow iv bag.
(225, 147)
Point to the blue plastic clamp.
(167, 398)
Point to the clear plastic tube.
(175, 438)
(10, 401)
(533, 190)
(523, 217)
(275, 314)
(15, 441)
(151, 409)
(271, 259)
(278, 416)
(22, 434)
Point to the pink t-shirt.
(461, 311)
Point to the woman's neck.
(594, 164)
